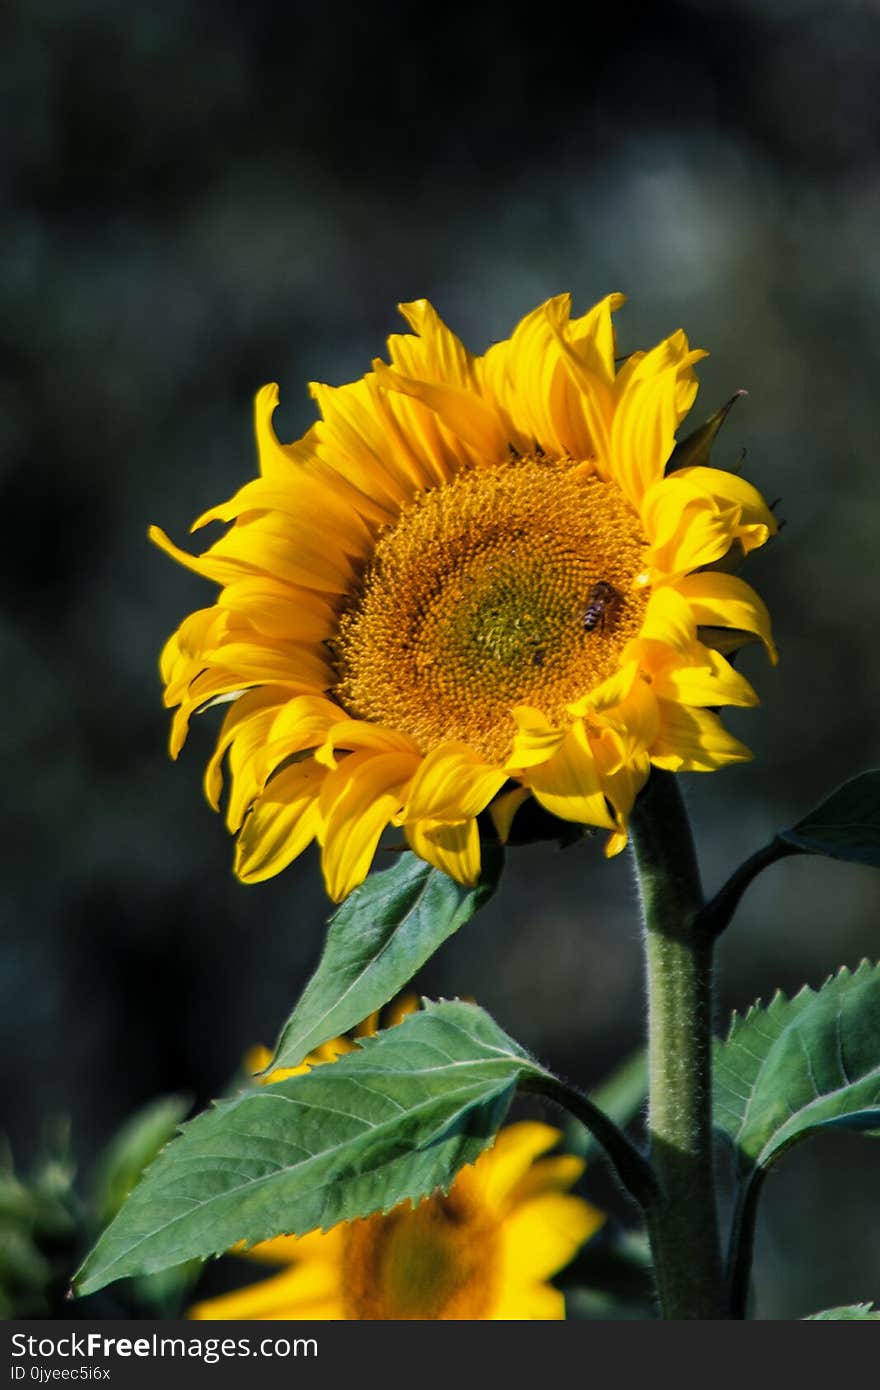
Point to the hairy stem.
(632, 1167)
(682, 1217)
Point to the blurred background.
(202, 198)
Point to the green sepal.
(395, 1119)
(695, 449)
(376, 941)
(844, 826)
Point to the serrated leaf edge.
(738, 1020)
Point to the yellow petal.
(531, 387)
(609, 693)
(543, 1235)
(182, 654)
(219, 570)
(288, 548)
(592, 336)
(400, 1008)
(299, 726)
(694, 515)
(643, 434)
(462, 412)
(732, 490)
(668, 619)
(351, 437)
(504, 808)
(673, 353)
(292, 1294)
(536, 740)
(436, 354)
(328, 501)
(284, 820)
(595, 402)
(210, 687)
(357, 802)
(555, 1174)
(693, 740)
(504, 1166)
(276, 462)
(713, 683)
(259, 659)
(357, 735)
(249, 717)
(288, 1250)
(529, 1303)
(454, 849)
(723, 600)
(568, 784)
(632, 726)
(280, 610)
(616, 843)
(453, 783)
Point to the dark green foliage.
(377, 940)
(846, 825)
(395, 1119)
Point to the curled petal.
(714, 682)
(435, 354)
(569, 784)
(356, 735)
(463, 413)
(668, 619)
(536, 739)
(453, 783)
(504, 808)
(723, 600)
(358, 800)
(454, 848)
(282, 823)
(694, 740)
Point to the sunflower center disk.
(437, 1261)
(513, 585)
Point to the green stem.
(742, 1244)
(631, 1167)
(682, 1218)
(717, 913)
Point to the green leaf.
(695, 449)
(851, 1312)
(846, 825)
(787, 1070)
(131, 1149)
(381, 935)
(799, 1065)
(393, 1120)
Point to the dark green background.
(204, 197)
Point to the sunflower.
(485, 1249)
(470, 582)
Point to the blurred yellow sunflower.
(484, 1250)
(469, 582)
